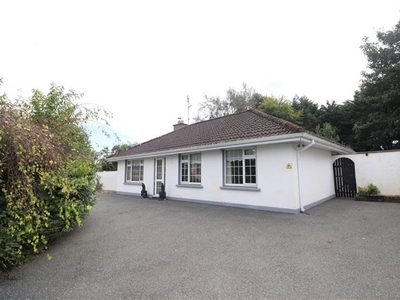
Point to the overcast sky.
(140, 59)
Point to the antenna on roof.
(188, 106)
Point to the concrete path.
(132, 248)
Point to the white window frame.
(129, 169)
(188, 160)
(244, 156)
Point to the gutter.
(302, 149)
(332, 146)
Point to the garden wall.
(379, 168)
(108, 180)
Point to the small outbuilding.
(248, 159)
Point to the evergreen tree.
(377, 103)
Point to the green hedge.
(47, 172)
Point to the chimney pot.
(181, 124)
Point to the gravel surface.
(133, 248)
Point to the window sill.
(133, 183)
(240, 188)
(193, 186)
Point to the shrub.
(47, 172)
(369, 190)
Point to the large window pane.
(195, 168)
(128, 175)
(191, 168)
(240, 166)
(234, 169)
(159, 169)
(137, 170)
(250, 167)
(134, 170)
(185, 171)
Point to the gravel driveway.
(132, 248)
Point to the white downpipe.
(312, 143)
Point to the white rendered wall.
(148, 176)
(136, 188)
(277, 182)
(108, 180)
(276, 179)
(379, 168)
(316, 176)
(277, 175)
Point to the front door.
(159, 175)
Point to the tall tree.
(235, 101)
(243, 100)
(377, 103)
(341, 117)
(213, 107)
(310, 112)
(345, 124)
(102, 162)
(281, 108)
(330, 113)
(328, 131)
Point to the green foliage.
(340, 118)
(247, 98)
(47, 171)
(243, 100)
(235, 101)
(328, 131)
(213, 107)
(281, 108)
(309, 112)
(377, 103)
(345, 123)
(370, 121)
(103, 164)
(369, 190)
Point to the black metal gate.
(345, 178)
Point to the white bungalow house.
(248, 159)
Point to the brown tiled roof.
(245, 125)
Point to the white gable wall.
(316, 176)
